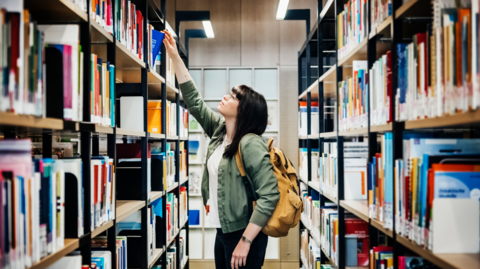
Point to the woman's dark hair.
(252, 116)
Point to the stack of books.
(329, 231)
(380, 183)
(352, 25)
(380, 83)
(34, 201)
(353, 96)
(435, 183)
(183, 122)
(102, 92)
(382, 257)
(182, 162)
(303, 119)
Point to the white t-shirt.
(212, 166)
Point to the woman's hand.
(170, 45)
(239, 256)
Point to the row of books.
(303, 118)
(102, 191)
(129, 27)
(379, 11)
(356, 237)
(353, 96)
(34, 219)
(102, 92)
(439, 71)
(309, 251)
(52, 57)
(101, 242)
(303, 163)
(355, 156)
(155, 118)
(382, 258)
(311, 210)
(101, 12)
(380, 83)
(82, 4)
(435, 189)
(352, 26)
(182, 162)
(171, 255)
(22, 79)
(380, 183)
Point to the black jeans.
(225, 244)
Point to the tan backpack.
(290, 206)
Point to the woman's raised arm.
(208, 119)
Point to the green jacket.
(232, 197)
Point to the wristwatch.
(244, 239)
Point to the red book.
(140, 33)
(14, 52)
(389, 86)
(359, 228)
(67, 83)
(95, 190)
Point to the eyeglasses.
(231, 96)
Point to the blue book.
(388, 217)
(458, 185)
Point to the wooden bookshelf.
(172, 137)
(126, 59)
(107, 225)
(414, 8)
(381, 128)
(328, 256)
(468, 119)
(125, 208)
(313, 136)
(445, 261)
(184, 138)
(380, 227)
(99, 35)
(357, 53)
(314, 185)
(171, 188)
(158, 254)
(155, 135)
(183, 181)
(155, 195)
(330, 198)
(355, 132)
(384, 29)
(303, 180)
(121, 131)
(184, 262)
(55, 11)
(310, 89)
(91, 127)
(27, 121)
(329, 135)
(69, 246)
(303, 137)
(357, 207)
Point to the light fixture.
(282, 9)
(208, 29)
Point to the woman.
(239, 241)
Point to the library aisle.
(375, 103)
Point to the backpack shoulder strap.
(238, 158)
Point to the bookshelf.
(409, 17)
(147, 83)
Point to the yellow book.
(389, 263)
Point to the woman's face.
(228, 106)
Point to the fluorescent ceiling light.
(208, 29)
(282, 9)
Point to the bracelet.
(244, 239)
